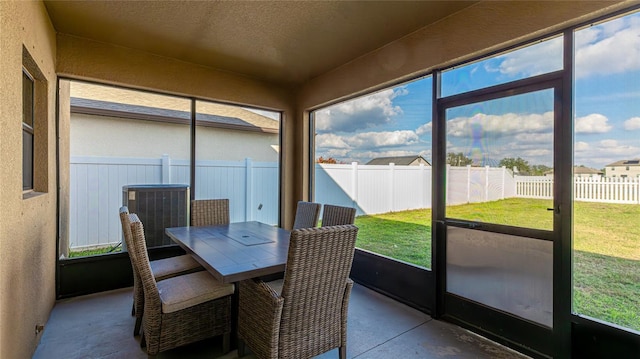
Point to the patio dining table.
(236, 251)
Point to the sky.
(397, 121)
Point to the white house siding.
(103, 136)
(620, 171)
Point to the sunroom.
(504, 103)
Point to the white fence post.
(504, 173)
(468, 183)
(421, 179)
(486, 183)
(354, 183)
(166, 169)
(248, 209)
(391, 186)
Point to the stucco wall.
(28, 227)
(115, 137)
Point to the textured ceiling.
(285, 42)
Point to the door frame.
(524, 336)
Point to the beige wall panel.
(28, 227)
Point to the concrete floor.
(101, 326)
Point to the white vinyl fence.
(623, 190)
(96, 191)
(252, 188)
(389, 188)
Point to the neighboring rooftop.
(124, 103)
(414, 160)
(633, 162)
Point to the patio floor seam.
(392, 338)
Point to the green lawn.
(606, 247)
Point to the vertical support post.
(391, 186)
(486, 184)
(468, 183)
(504, 174)
(166, 169)
(354, 184)
(248, 206)
(446, 181)
(422, 191)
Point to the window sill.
(31, 194)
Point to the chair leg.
(342, 353)
(143, 341)
(133, 309)
(136, 329)
(242, 348)
(226, 343)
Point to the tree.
(327, 160)
(540, 170)
(458, 159)
(520, 164)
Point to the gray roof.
(398, 160)
(634, 162)
(227, 115)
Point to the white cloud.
(535, 138)
(382, 139)
(424, 129)
(329, 140)
(610, 48)
(375, 154)
(604, 49)
(364, 112)
(507, 124)
(632, 124)
(581, 146)
(533, 60)
(614, 147)
(593, 123)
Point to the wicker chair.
(161, 269)
(307, 214)
(209, 212)
(337, 215)
(309, 316)
(183, 309)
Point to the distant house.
(581, 172)
(400, 161)
(117, 123)
(623, 168)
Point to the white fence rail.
(96, 191)
(252, 188)
(622, 190)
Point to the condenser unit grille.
(158, 207)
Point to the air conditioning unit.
(158, 206)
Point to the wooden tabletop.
(236, 251)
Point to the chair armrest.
(259, 314)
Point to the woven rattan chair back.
(337, 215)
(307, 214)
(138, 293)
(209, 212)
(314, 290)
(167, 330)
(141, 262)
